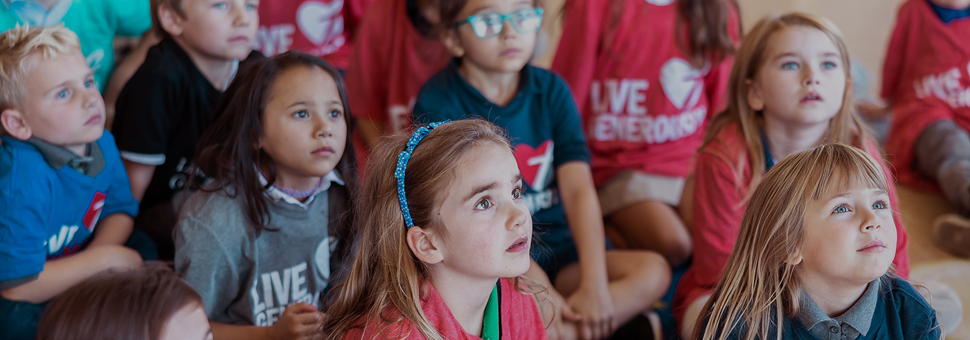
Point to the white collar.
(277, 195)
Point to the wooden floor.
(927, 262)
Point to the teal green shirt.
(97, 23)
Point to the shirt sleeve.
(24, 215)
(132, 17)
(119, 198)
(147, 108)
(579, 46)
(570, 143)
(207, 266)
(367, 75)
(717, 216)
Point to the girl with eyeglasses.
(647, 76)
(490, 78)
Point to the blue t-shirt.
(47, 212)
(543, 124)
(901, 313)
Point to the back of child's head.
(845, 127)
(19, 48)
(386, 274)
(229, 152)
(759, 284)
(129, 305)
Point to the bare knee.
(677, 250)
(652, 273)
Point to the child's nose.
(508, 31)
(323, 128)
(811, 76)
(241, 16)
(519, 216)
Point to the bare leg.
(691, 315)
(653, 225)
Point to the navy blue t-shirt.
(544, 127)
(901, 313)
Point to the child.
(926, 79)
(266, 237)
(168, 103)
(444, 240)
(320, 28)
(490, 78)
(65, 202)
(788, 93)
(97, 23)
(149, 304)
(393, 56)
(813, 255)
(647, 75)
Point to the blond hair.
(18, 46)
(385, 282)
(845, 127)
(759, 287)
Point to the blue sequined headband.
(402, 166)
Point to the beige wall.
(866, 25)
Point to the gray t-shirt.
(250, 280)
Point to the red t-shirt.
(719, 205)
(391, 63)
(318, 27)
(519, 316)
(926, 77)
(644, 106)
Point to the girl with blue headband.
(444, 239)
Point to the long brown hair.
(384, 285)
(707, 22)
(845, 127)
(227, 152)
(129, 305)
(759, 288)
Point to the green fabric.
(490, 323)
(97, 23)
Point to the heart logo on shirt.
(682, 83)
(94, 211)
(319, 21)
(535, 164)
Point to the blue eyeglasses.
(490, 25)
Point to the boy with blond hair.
(167, 105)
(65, 203)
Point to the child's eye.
(62, 94)
(842, 208)
(334, 113)
(828, 65)
(517, 193)
(790, 66)
(483, 204)
(219, 5)
(250, 7)
(301, 114)
(880, 205)
(89, 83)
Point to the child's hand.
(565, 321)
(116, 257)
(300, 321)
(596, 307)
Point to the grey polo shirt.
(849, 326)
(58, 156)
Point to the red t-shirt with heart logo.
(644, 105)
(318, 27)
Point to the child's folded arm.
(113, 230)
(61, 274)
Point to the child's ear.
(422, 243)
(13, 121)
(170, 21)
(755, 97)
(453, 43)
(795, 258)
